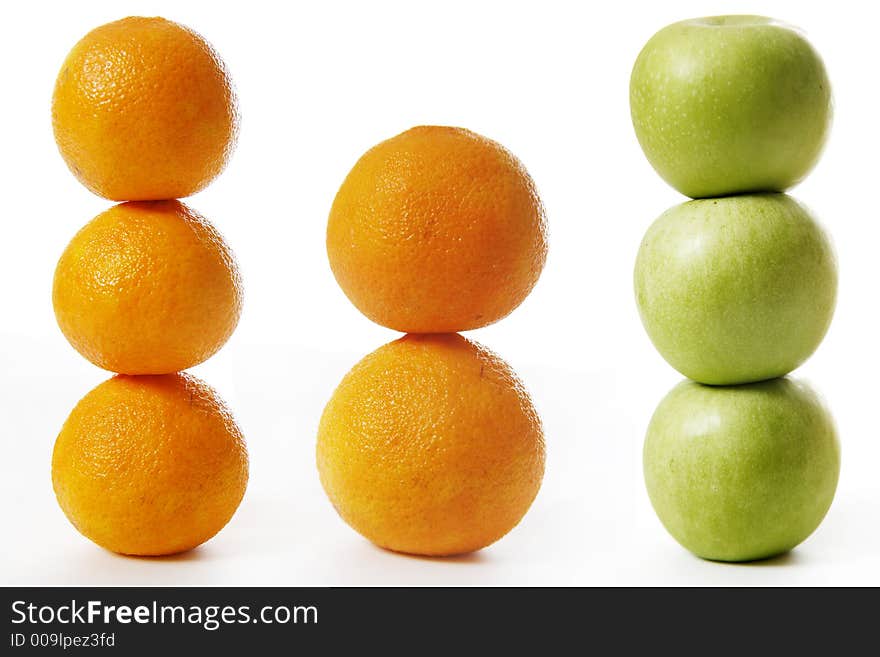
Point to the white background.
(318, 85)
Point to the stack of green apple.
(737, 287)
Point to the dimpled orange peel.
(150, 462)
(147, 288)
(437, 230)
(430, 445)
(150, 465)
(144, 109)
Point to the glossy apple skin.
(730, 104)
(744, 472)
(736, 289)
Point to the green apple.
(730, 104)
(736, 289)
(743, 472)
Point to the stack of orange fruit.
(150, 462)
(431, 445)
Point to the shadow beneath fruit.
(789, 558)
(469, 558)
(196, 554)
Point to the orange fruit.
(437, 230)
(431, 445)
(150, 465)
(147, 288)
(143, 110)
